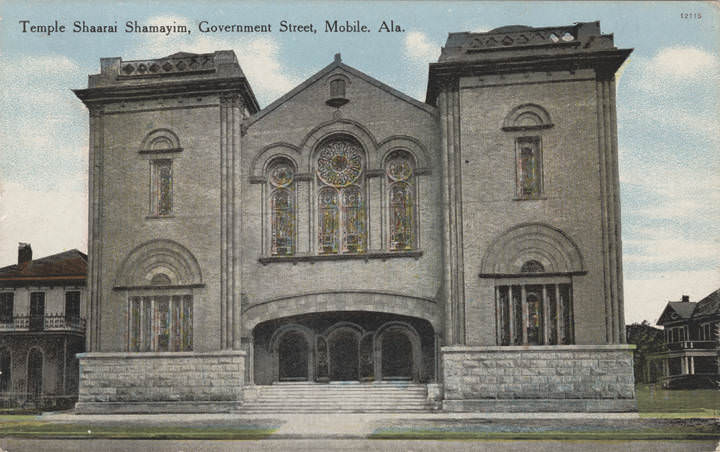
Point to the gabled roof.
(338, 64)
(708, 305)
(676, 310)
(68, 265)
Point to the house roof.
(708, 305)
(683, 310)
(66, 266)
(338, 64)
(676, 310)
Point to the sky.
(668, 107)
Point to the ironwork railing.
(50, 322)
(687, 345)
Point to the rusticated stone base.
(182, 382)
(539, 378)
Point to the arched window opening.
(401, 200)
(161, 279)
(281, 175)
(341, 204)
(532, 266)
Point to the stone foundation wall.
(539, 378)
(160, 382)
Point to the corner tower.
(164, 222)
(532, 262)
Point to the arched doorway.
(293, 353)
(344, 357)
(35, 374)
(397, 356)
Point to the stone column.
(610, 208)
(95, 194)
(453, 266)
(230, 220)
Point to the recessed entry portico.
(344, 346)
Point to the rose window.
(281, 175)
(399, 167)
(339, 163)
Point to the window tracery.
(281, 176)
(401, 200)
(341, 206)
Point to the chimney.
(24, 253)
(686, 298)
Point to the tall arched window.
(281, 175)
(341, 199)
(399, 169)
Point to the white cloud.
(258, 56)
(684, 62)
(664, 246)
(53, 221)
(419, 47)
(646, 295)
(674, 67)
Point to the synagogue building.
(459, 253)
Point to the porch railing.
(50, 322)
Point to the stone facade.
(177, 382)
(348, 231)
(542, 378)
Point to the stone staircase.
(340, 397)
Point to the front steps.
(337, 397)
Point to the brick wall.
(145, 382)
(546, 378)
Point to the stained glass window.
(160, 323)
(354, 224)
(329, 220)
(341, 206)
(281, 175)
(399, 171)
(529, 167)
(161, 189)
(537, 314)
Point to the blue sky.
(668, 107)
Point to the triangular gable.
(338, 64)
(672, 313)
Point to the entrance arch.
(398, 352)
(344, 353)
(293, 351)
(397, 359)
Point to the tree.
(647, 340)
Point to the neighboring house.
(41, 328)
(692, 356)
(349, 232)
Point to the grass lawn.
(26, 426)
(653, 401)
